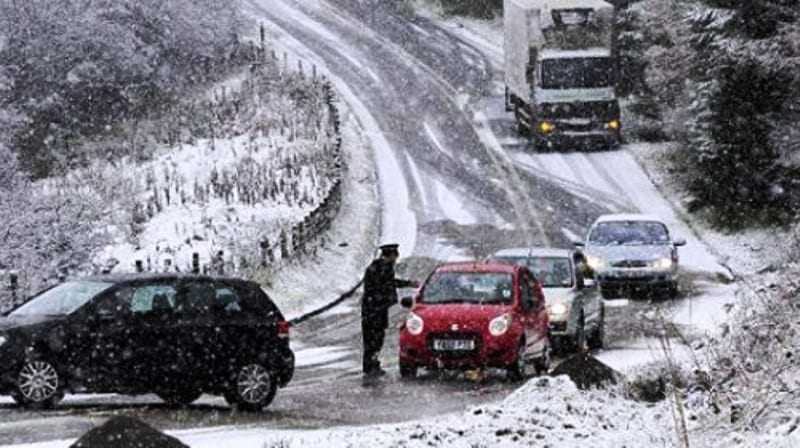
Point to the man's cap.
(390, 249)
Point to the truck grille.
(578, 126)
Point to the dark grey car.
(175, 336)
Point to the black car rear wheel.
(39, 385)
(179, 397)
(254, 388)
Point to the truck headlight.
(414, 324)
(613, 125)
(663, 263)
(559, 310)
(3, 340)
(546, 127)
(500, 325)
(596, 263)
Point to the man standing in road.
(380, 294)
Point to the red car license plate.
(453, 344)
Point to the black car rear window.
(256, 300)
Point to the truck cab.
(561, 71)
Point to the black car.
(172, 335)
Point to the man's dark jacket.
(380, 292)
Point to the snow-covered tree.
(740, 95)
(76, 67)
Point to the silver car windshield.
(469, 287)
(631, 233)
(62, 300)
(552, 272)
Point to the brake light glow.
(283, 329)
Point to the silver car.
(575, 309)
(632, 252)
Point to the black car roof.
(125, 278)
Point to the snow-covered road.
(455, 181)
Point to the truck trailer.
(560, 71)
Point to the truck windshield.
(576, 73)
(62, 300)
(469, 287)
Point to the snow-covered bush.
(753, 366)
(45, 235)
(74, 68)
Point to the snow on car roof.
(154, 276)
(482, 266)
(628, 217)
(598, 52)
(534, 252)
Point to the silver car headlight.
(662, 264)
(559, 310)
(596, 263)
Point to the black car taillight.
(283, 329)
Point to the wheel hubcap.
(254, 384)
(38, 381)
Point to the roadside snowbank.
(543, 412)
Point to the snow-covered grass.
(339, 263)
(258, 156)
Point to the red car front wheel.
(516, 371)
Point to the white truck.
(560, 71)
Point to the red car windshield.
(469, 287)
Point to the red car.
(474, 315)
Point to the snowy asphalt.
(466, 185)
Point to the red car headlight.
(500, 325)
(414, 324)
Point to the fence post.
(195, 263)
(13, 285)
(218, 264)
(295, 238)
(266, 253)
(284, 246)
